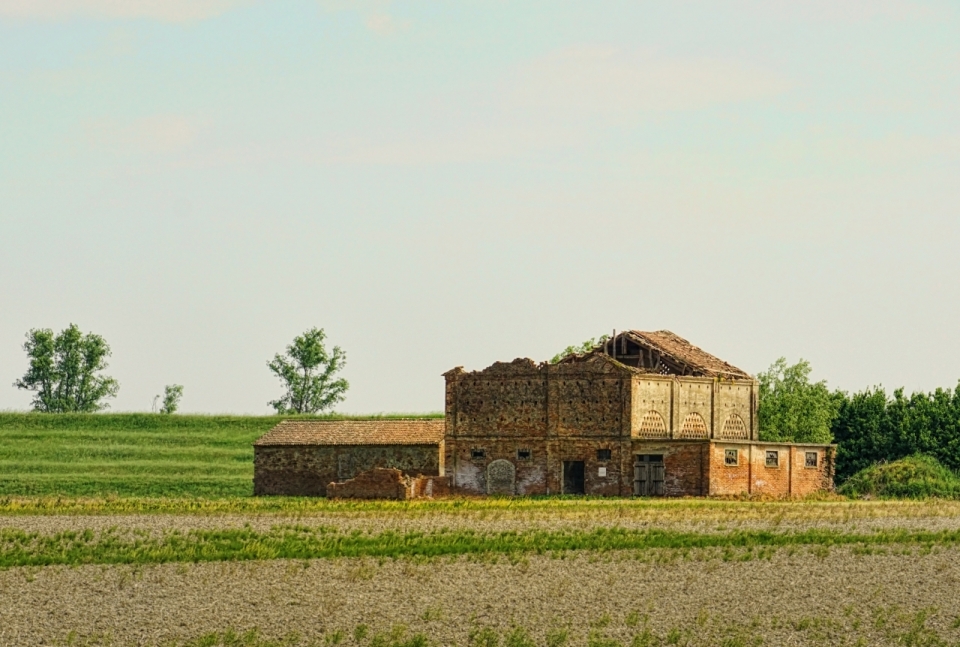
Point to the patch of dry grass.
(803, 597)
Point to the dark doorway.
(648, 475)
(573, 477)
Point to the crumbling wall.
(378, 483)
(387, 483)
(305, 470)
(590, 398)
(505, 399)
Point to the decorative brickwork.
(693, 427)
(734, 427)
(652, 425)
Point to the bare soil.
(808, 596)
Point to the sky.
(441, 184)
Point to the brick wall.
(787, 476)
(685, 465)
(305, 470)
(729, 479)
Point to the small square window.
(476, 454)
(604, 454)
(731, 457)
(773, 458)
(811, 459)
(523, 454)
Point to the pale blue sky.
(443, 184)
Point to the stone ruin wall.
(306, 470)
(554, 412)
(389, 483)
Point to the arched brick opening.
(652, 425)
(693, 426)
(734, 427)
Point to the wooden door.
(648, 475)
(656, 479)
(641, 475)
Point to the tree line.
(65, 374)
(869, 426)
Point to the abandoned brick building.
(303, 457)
(647, 414)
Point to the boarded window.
(523, 454)
(652, 425)
(773, 458)
(476, 454)
(811, 459)
(604, 454)
(693, 427)
(731, 457)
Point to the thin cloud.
(156, 134)
(602, 80)
(172, 11)
(385, 24)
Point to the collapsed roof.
(665, 353)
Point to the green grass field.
(130, 454)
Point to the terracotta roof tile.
(423, 431)
(680, 349)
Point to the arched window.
(734, 427)
(652, 425)
(693, 427)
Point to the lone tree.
(171, 398)
(307, 372)
(792, 409)
(65, 370)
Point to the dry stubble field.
(714, 573)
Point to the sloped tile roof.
(423, 431)
(681, 350)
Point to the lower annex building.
(647, 414)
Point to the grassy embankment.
(129, 454)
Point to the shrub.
(915, 477)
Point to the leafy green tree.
(307, 372)
(792, 409)
(64, 371)
(585, 347)
(873, 427)
(171, 398)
